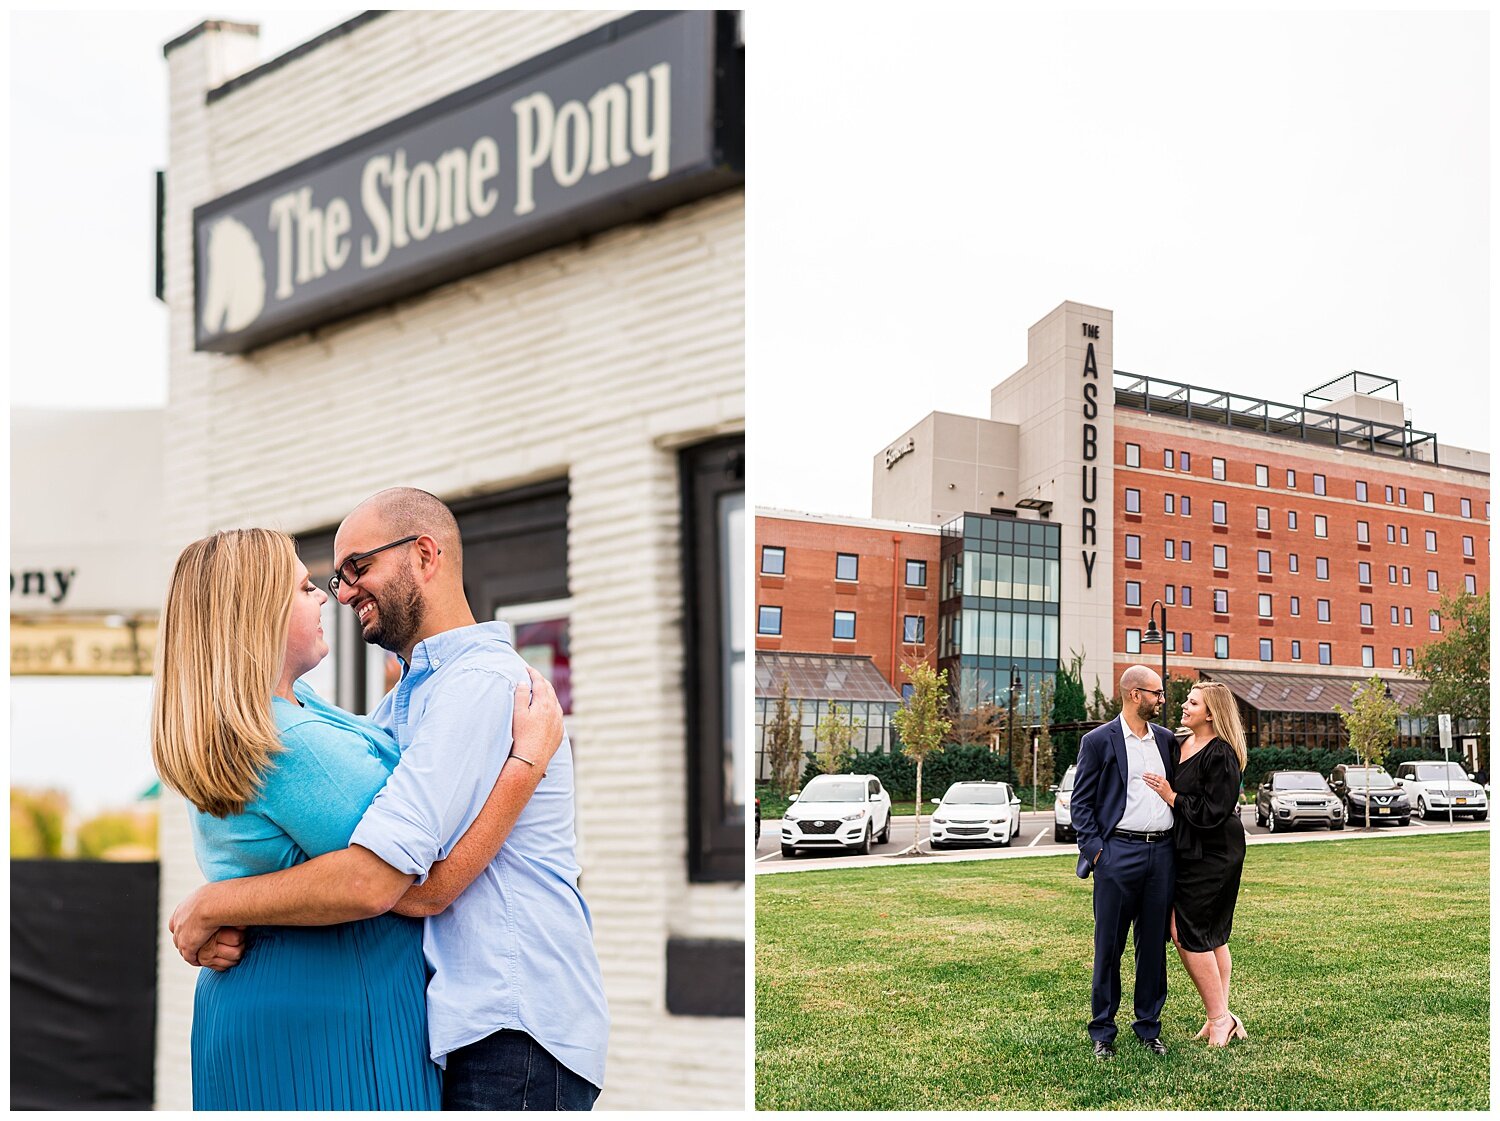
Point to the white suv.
(837, 812)
(976, 812)
(1435, 787)
(1062, 810)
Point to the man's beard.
(399, 613)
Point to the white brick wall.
(598, 361)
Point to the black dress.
(1210, 846)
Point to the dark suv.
(1369, 790)
(1291, 798)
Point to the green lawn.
(1361, 972)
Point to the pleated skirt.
(318, 1018)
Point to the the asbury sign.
(631, 119)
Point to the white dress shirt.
(1145, 812)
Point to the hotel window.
(1132, 641)
(847, 567)
(1171, 642)
(1406, 616)
(1364, 572)
(1362, 532)
(1431, 536)
(1367, 657)
(1406, 575)
(1221, 514)
(1221, 557)
(1404, 540)
(912, 628)
(772, 560)
(1395, 615)
(1262, 475)
(1187, 550)
(1169, 595)
(1291, 479)
(1296, 650)
(1262, 517)
(1265, 649)
(906, 692)
(1169, 503)
(1470, 584)
(1291, 563)
(1390, 534)
(1427, 501)
(1320, 485)
(1132, 501)
(1132, 455)
(1468, 546)
(1434, 621)
(916, 574)
(1291, 519)
(1325, 611)
(1132, 547)
(1390, 495)
(1294, 606)
(1320, 567)
(1401, 495)
(843, 624)
(1432, 583)
(1263, 561)
(1221, 601)
(1169, 548)
(1221, 646)
(1396, 656)
(770, 621)
(1187, 642)
(1218, 468)
(1264, 605)
(1187, 595)
(1166, 459)
(1320, 525)
(1132, 593)
(1465, 508)
(1185, 462)
(1366, 615)
(1390, 570)
(1325, 654)
(1186, 506)
(1409, 658)
(1361, 491)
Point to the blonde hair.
(219, 651)
(1226, 716)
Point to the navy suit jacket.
(1098, 801)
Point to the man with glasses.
(516, 1009)
(1125, 839)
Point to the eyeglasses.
(1162, 693)
(349, 572)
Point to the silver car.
(1062, 808)
(1288, 799)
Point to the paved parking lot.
(1036, 840)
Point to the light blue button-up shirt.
(516, 949)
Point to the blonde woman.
(330, 1017)
(1210, 841)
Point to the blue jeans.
(510, 1070)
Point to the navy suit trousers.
(1133, 884)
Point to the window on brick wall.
(843, 624)
(1406, 575)
(1221, 514)
(916, 574)
(1390, 534)
(1404, 540)
(1396, 656)
(1263, 605)
(1187, 642)
(1262, 517)
(1292, 563)
(1465, 509)
(1320, 568)
(1294, 606)
(1265, 650)
(1362, 532)
(1132, 640)
(1132, 593)
(1187, 550)
(1367, 614)
(1291, 479)
(1169, 548)
(770, 620)
(1325, 611)
(1166, 459)
(1364, 572)
(1401, 496)
(1132, 546)
(1320, 484)
(1218, 468)
(1187, 595)
(1427, 501)
(1390, 495)
(1132, 500)
(1221, 601)
(1406, 616)
(1320, 525)
(1367, 657)
(1432, 580)
(1132, 455)
(1221, 646)
(912, 628)
(1431, 537)
(1395, 615)
(1468, 546)
(1470, 584)
(773, 560)
(1325, 654)
(1361, 491)
(1186, 505)
(1221, 557)
(1169, 595)
(846, 567)
(1296, 650)
(1169, 503)
(1434, 621)
(1262, 475)
(1263, 561)
(1291, 519)
(1185, 463)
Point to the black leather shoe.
(1155, 1046)
(1103, 1050)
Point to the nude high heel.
(1203, 1033)
(1239, 1029)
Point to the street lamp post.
(1010, 722)
(1152, 637)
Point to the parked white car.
(976, 813)
(1436, 787)
(839, 812)
(1062, 808)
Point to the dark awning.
(823, 677)
(1305, 692)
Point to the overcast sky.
(1264, 201)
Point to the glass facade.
(999, 608)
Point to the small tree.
(1178, 689)
(834, 740)
(1457, 666)
(784, 744)
(922, 725)
(1103, 709)
(1069, 706)
(1371, 724)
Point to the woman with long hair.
(1210, 848)
(328, 1017)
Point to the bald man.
(1125, 841)
(515, 999)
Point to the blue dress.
(331, 1017)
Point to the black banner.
(82, 984)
